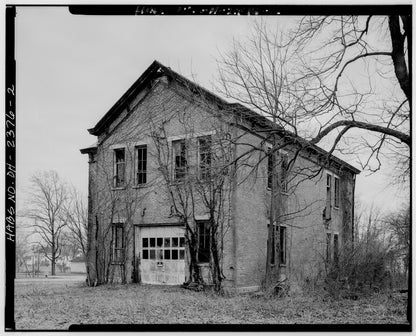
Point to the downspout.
(352, 210)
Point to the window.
(328, 196)
(336, 250)
(205, 156)
(283, 245)
(336, 196)
(328, 247)
(117, 251)
(203, 241)
(163, 248)
(119, 167)
(283, 172)
(180, 159)
(270, 165)
(141, 168)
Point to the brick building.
(170, 156)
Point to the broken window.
(119, 167)
(203, 241)
(117, 255)
(205, 156)
(336, 196)
(180, 159)
(141, 161)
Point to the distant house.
(161, 134)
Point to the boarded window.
(180, 161)
(119, 167)
(117, 255)
(141, 162)
(205, 157)
(336, 189)
(203, 241)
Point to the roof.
(156, 70)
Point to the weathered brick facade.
(186, 112)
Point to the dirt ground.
(58, 304)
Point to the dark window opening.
(283, 245)
(328, 247)
(203, 241)
(117, 255)
(141, 173)
(270, 164)
(284, 172)
(328, 196)
(205, 157)
(336, 250)
(119, 167)
(180, 159)
(336, 196)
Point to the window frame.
(116, 165)
(283, 156)
(138, 171)
(184, 149)
(205, 170)
(283, 245)
(337, 195)
(206, 250)
(117, 252)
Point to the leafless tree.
(76, 217)
(357, 74)
(46, 207)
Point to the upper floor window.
(284, 162)
(141, 165)
(205, 157)
(119, 167)
(270, 164)
(180, 160)
(336, 190)
(284, 172)
(328, 196)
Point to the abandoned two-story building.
(176, 170)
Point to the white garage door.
(161, 251)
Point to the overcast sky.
(72, 69)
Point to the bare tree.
(356, 70)
(76, 216)
(47, 204)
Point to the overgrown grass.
(57, 306)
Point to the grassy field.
(50, 305)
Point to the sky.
(71, 69)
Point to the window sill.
(118, 188)
(140, 186)
(203, 264)
(336, 208)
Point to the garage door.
(161, 251)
